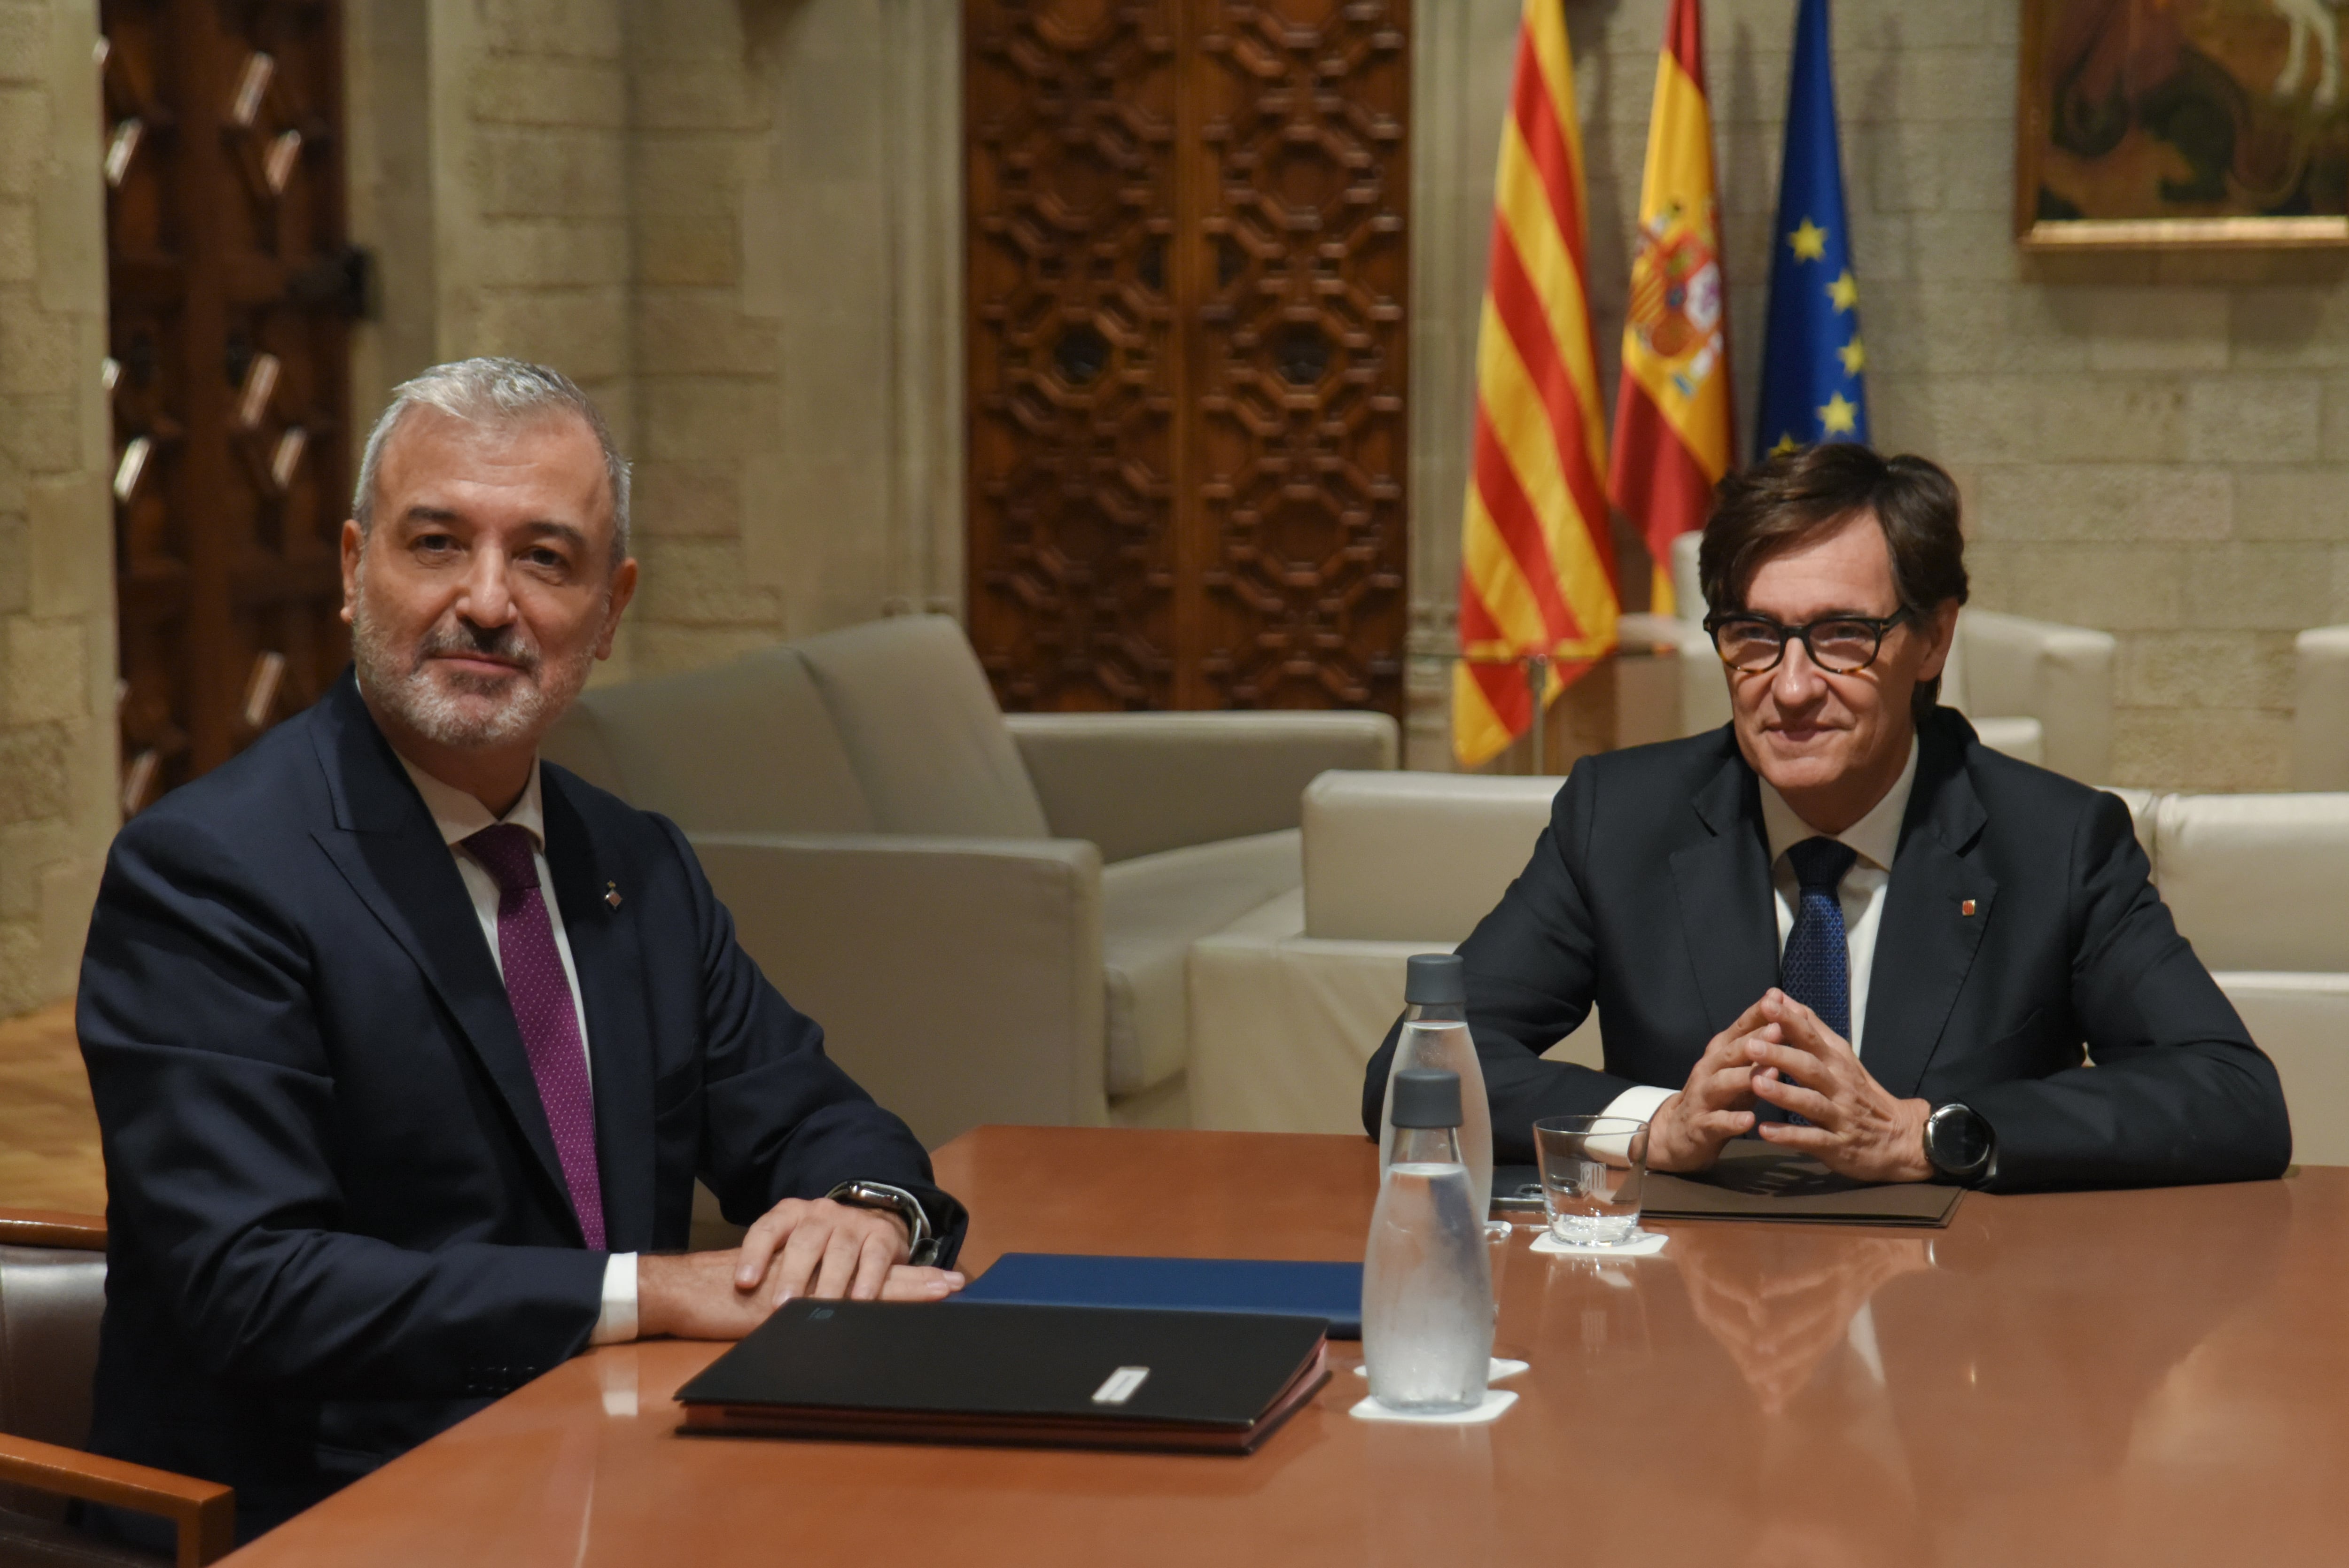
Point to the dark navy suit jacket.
(336, 1224)
(1648, 896)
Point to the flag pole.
(1537, 678)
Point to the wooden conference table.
(2127, 1377)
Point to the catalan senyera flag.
(1537, 568)
(1673, 434)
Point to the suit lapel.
(606, 951)
(1722, 881)
(386, 847)
(1926, 941)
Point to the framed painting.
(2157, 124)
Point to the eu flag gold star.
(1844, 291)
(1855, 357)
(1840, 416)
(1810, 242)
(1785, 444)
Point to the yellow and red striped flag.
(1672, 440)
(1536, 563)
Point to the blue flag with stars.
(1812, 387)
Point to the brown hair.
(1789, 498)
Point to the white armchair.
(2034, 689)
(1289, 1003)
(2320, 717)
(990, 916)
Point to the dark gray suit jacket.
(336, 1220)
(1648, 896)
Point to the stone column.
(57, 746)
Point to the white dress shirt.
(459, 816)
(1876, 837)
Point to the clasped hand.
(800, 1247)
(1779, 1051)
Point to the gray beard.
(534, 696)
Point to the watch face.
(1957, 1140)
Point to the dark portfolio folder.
(1755, 1180)
(1333, 1291)
(1061, 1377)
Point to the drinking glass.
(1592, 1168)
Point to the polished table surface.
(2124, 1378)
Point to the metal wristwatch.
(1959, 1144)
(896, 1200)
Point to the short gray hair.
(493, 391)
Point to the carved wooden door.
(231, 291)
(1187, 270)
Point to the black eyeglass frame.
(1879, 625)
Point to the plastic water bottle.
(1435, 1034)
(1427, 1277)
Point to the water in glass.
(1592, 1168)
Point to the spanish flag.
(1537, 568)
(1672, 440)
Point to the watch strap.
(923, 1239)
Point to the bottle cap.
(1427, 1096)
(1434, 979)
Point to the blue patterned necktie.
(1816, 966)
(1816, 969)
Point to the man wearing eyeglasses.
(1843, 925)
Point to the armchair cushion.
(957, 980)
(2061, 676)
(50, 1301)
(1416, 857)
(2022, 738)
(1282, 1024)
(742, 747)
(922, 730)
(1153, 908)
(2320, 720)
(2301, 1022)
(2254, 880)
(1137, 783)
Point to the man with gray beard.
(407, 1048)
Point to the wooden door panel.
(1072, 115)
(1298, 410)
(1187, 269)
(231, 288)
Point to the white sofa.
(990, 914)
(1287, 1003)
(2320, 716)
(2034, 689)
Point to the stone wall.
(2157, 446)
(489, 160)
(798, 200)
(740, 224)
(57, 754)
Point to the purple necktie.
(540, 996)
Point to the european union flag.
(1812, 388)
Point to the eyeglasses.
(1839, 645)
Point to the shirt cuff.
(617, 1322)
(1639, 1102)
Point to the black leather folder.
(980, 1372)
(1755, 1180)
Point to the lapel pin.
(1965, 906)
(611, 897)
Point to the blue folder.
(1331, 1291)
